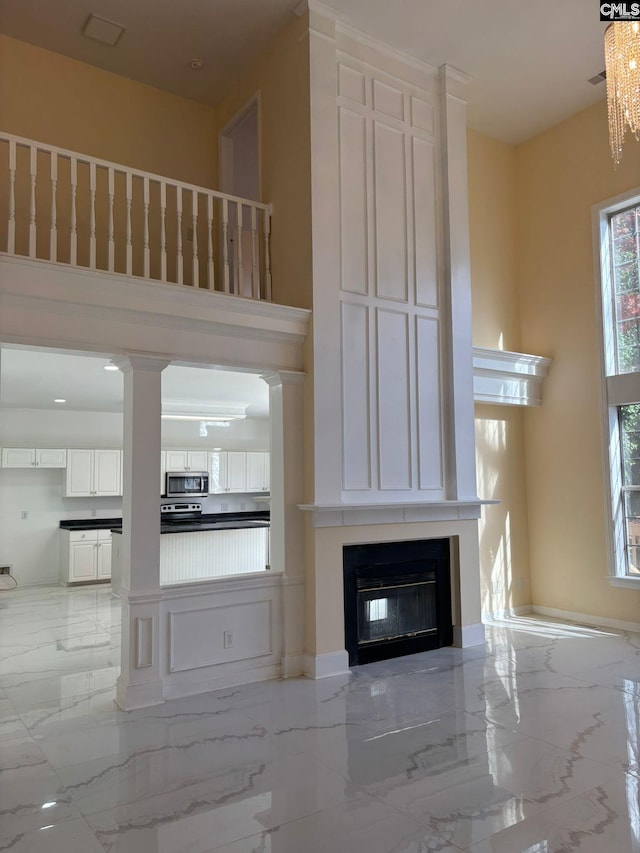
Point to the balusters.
(179, 261)
(92, 216)
(111, 238)
(267, 254)
(147, 251)
(73, 232)
(33, 171)
(11, 231)
(53, 234)
(163, 231)
(225, 244)
(240, 275)
(129, 236)
(195, 270)
(255, 275)
(210, 270)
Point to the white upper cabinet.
(236, 471)
(187, 460)
(218, 480)
(257, 471)
(93, 473)
(28, 457)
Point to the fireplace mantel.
(346, 515)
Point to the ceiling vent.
(598, 78)
(103, 31)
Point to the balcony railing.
(68, 208)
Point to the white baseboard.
(468, 635)
(523, 610)
(324, 666)
(586, 618)
(129, 697)
(292, 665)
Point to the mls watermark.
(620, 11)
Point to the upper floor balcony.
(64, 207)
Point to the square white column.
(286, 547)
(140, 681)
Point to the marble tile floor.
(530, 744)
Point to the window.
(618, 233)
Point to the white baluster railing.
(104, 216)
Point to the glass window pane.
(626, 285)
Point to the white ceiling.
(32, 379)
(529, 59)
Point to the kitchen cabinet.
(163, 470)
(85, 555)
(28, 457)
(93, 473)
(187, 460)
(258, 471)
(238, 471)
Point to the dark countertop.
(212, 521)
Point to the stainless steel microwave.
(182, 484)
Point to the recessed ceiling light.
(110, 367)
(103, 31)
(59, 400)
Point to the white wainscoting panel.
(391, 212)
(422, 117)
(196, 637)
(353, 201)
(394, 414)
(351, 84)
(388, 100)
(196, 556)
(355, 383)
(429, 433)
(424, 219)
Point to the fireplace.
(397, 599)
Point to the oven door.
(186, 484)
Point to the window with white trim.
(618, 231)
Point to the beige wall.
(53, 99)
(281, 77)
(492, 226)
(504, 547)
(560, 174)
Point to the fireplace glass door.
(390, 609)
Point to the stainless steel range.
(180, 512)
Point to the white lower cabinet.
(85, 555)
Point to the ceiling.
(32, 379)
(529, 61)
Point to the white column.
(461, 458)
(287, 531)
(140, 681)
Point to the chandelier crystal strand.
(622, 62)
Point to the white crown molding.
(508, 378)
(347, 515)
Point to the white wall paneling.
(390, 212)
(429, 429)
(221, 633)
(353, 201)
(394, 400)
(357, 462)
(197, 637)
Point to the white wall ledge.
(508, 378)
(345, 515)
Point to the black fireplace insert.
(397, 599)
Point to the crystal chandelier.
(622, 62)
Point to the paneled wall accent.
(389, 287)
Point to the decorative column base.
(468, 635)
(327, 665)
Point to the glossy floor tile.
(530, 744)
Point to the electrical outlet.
(24, 515)
(94, 512)
(227, 639)
(242, 505)
(5, 570)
